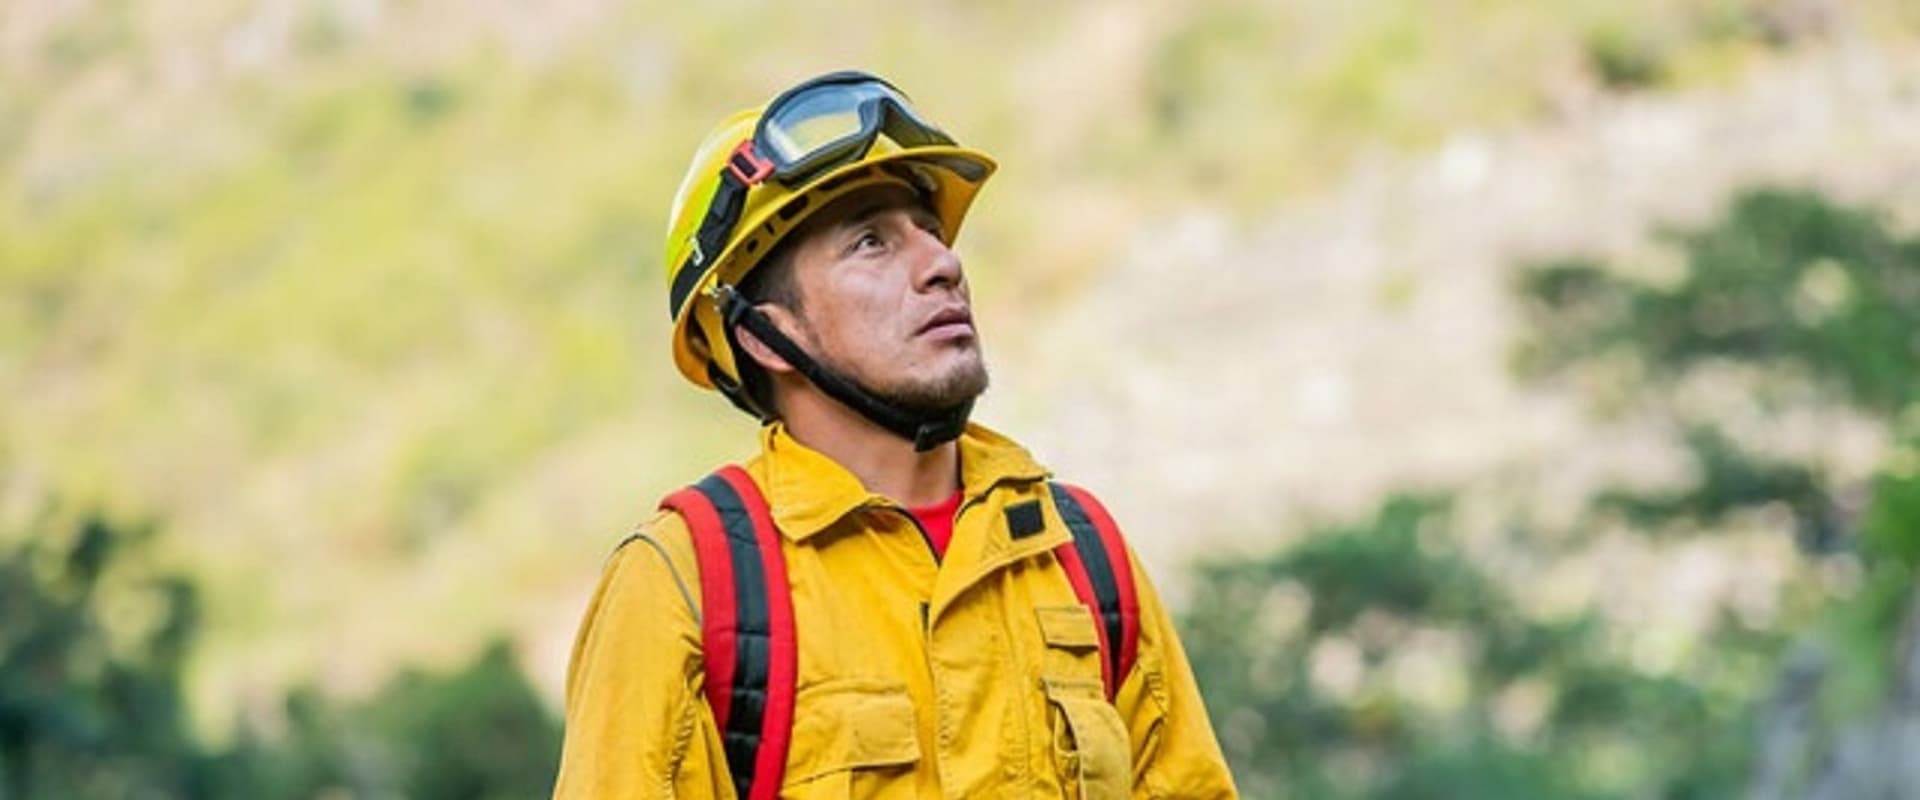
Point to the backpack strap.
(1102, 575)
(746, 625)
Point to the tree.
(93, 648)
(1816, 304)
(85, 712)
(1380, 660)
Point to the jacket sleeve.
(636, 722)
(1175, 752)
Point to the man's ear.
(758, 350)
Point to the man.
(888, 601)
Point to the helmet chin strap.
(925, 430)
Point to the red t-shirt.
(937, 521)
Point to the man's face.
(885, 303)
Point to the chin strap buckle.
(732, 307)
(948, 427)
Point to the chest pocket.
(1091, 754)
(1089, 742)
(851, 738)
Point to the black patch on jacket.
(1024, 520)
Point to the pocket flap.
(1068, 626)
(842, 725)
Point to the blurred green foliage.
(93, 648)
(1319, 661)
(81, 713)
(1544, 708)
(1821, 303)
(1812, 292)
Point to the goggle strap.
(722, 213)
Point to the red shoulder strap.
(1101, 571)
(746, 625)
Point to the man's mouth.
(952, 321)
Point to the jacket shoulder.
(663, 528)
(657, 551)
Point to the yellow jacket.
(995, 695)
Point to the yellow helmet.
(736, 166)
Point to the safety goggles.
(829, 121)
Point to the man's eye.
(865, 241)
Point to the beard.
(961, 383)
(958, 385)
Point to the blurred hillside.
(362, 299)
(1364, 330)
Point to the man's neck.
(886, 464)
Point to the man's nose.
(940, 266)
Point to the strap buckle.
(757, 169)
(729, 303)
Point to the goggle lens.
(832, 120)
(811, 121)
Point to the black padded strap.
(752, 653)
(1093, 554)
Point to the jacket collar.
(809, 491)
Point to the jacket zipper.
(915, 522)
(965, 504)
